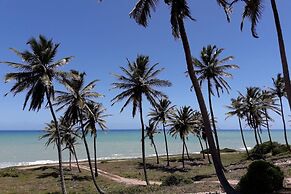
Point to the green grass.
(45, 180)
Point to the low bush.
(175, 180)
(261, 178)
(258, 152)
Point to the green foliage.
(265, 148)
(224, 150)
(9, 172)
(261, 178)
(175, 180)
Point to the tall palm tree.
(179, 12)
(237, 109)
(182, 122)
(279, 90)
(95, 115)
(161, 114)
(36, 75)
(76, 102)
(253, 109)
(139, 79)
(150, 132)
(211, 69)
(253, 11)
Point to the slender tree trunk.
(213, 119)
(70, 160)
(95, 155)
(183, 151)
(186, 148)
(282, 52)
(208, 157)
(166, 143)
(259, 135)
(242, 136)
(217, 163)
(202, 149)
(256, 137)
(75, 155)
(268, 128)
(88, 155)
(284, 123)
(142, 142)
(155, 148)
(63, 186)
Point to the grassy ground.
(45, 179)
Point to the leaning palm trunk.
(186, 148)
(217, 163)
(282, 52)
(259, 135)
(269, 132)
(202, 149)
(75, 155)
(88, 155)
(183, 153)
(142, 142)
(256, 137)
(166, 143)
(243, 139)
(95, 155)
(70, 160)
(155, 148)
(207, 148)
(284, 123)
(63, 186)
(213, 119)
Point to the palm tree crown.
(37, 72)
(162, 111)
(211, 68)
(139, 79)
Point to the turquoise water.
(25, 147)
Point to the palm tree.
(36, 75)
(150, 132)
(182, 122)
(213, 70)
(179, 12)
(161, 114)
(237, 109)
(253, 11)
(279, 91)
(76, 102)
(140, 80)
(95, 115)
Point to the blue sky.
(101, 36)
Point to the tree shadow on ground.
(162, 168)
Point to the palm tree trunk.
(256, 137)
(213, 119)
(63, 186)
(95, 155)
(142, 142)
(88, 155)
(206, 145)
(183, 151)
(282, 52)
(157, 156)
(217, 163)
(70, 160)
(268, 128)
(202, 149)
(186, 148)
(75, 155)
(166, 143)
(242, 136)
(284, 123)
(259, 135)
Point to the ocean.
(26, 148)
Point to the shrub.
(265, 148)
(175, 180)
(261, 178)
